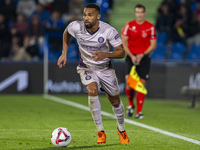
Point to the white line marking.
(63, 101)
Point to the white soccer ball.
(61, 137)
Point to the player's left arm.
(118, 53)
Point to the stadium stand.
(194, 53)
(177, 51)
(160, 52)
(183, 26)
(22, 29)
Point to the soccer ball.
(61, 137)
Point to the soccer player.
(139, 40)
(94, 38)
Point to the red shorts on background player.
(139, 40)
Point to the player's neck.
(94, 28)
(140, 21)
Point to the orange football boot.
(123, 137)
(101, 138)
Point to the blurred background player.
(139, 40)
(94, 38)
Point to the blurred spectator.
(105, 7)
(42, 13)
(47, 4)
(26, 7)
(165, 20)
(76, 5)
(172, 4)
(31, 48)
(20, 26)
(192, 4)
(15, 39)
(36, 28)
(35, 37)
(61, 6)
(73, 15)
(185, 13)
(180, 30)
(55, 27)
(19, 53)
(5, 37)
(8, 8)
(197, 11)
(195, 39)
(55, 22)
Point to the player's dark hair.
(93, 5)
(140, 6)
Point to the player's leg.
(118, 109)
(129, 92)
(109, 84)
(143, 72)
(89, 79)
(140, 101)
(95, 109)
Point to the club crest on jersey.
(88, 77)
(144, 34)
(100, 39)
(134, 27)
(114, 82)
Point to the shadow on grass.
(80, 147)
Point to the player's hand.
(134, 59)
(139, 58)
(62, 61)
(97, 56)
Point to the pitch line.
(70, 103)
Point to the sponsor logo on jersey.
(100, 39)
(117, 36)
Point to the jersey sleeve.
(72, 28)
(114, 37)
(153, 33)
(125, 30)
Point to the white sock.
(119, 113)
(95, 109)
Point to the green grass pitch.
(27, 121)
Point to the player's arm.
(125, 44)
(152, 46)
(118, 53)
(66, 40)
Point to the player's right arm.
(66, 40)
(124, 37)
(127, 50)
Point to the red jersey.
(139, 35)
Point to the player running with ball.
(139, 40)
(94, 38)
